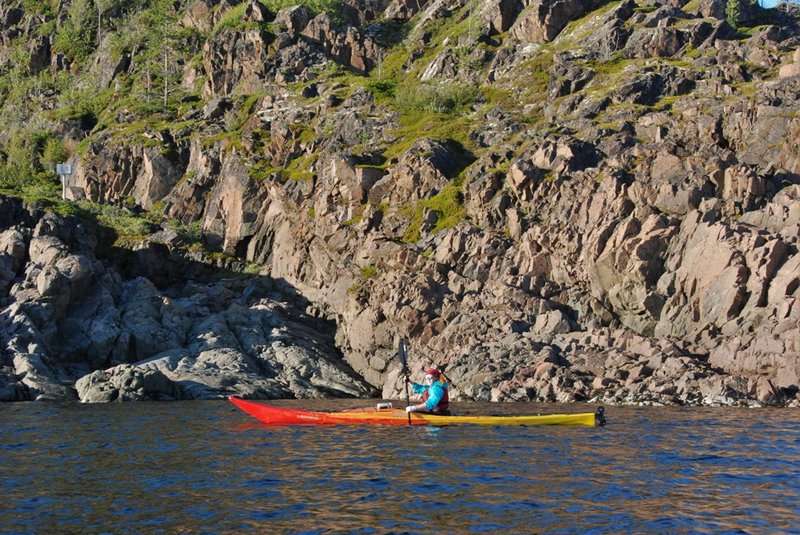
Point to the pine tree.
(75, 36)
(104, 7)
(733, 13)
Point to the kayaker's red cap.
(434, 372)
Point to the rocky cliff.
(559, 200)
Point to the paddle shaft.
(403, 359)
(407, 398)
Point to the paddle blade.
(403, 352)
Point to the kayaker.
(435, 397)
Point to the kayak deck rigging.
(271, 414)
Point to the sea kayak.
(385, 414)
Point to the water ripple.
(203, 467)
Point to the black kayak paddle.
(403, 352)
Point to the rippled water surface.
(205, 467)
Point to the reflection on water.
(203, 466)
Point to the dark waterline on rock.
(205, 467)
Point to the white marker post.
(63, 170)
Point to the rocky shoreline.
(73, 328)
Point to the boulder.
(791, 69)
(499, 15)
(293, 19)
(420, 173)
(126, 383)
(543, 20)
(198, 15)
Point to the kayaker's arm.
(435, 395)
(418, 389)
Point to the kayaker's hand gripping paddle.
(403, 352)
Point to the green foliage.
(446, 205)
(149, 90)
(16, 85)
(30, 156)
(126, 224)
(381, 88)
(301, 168)
(38, 190)
(390, 33)
(53, 152)
(355, 288)
(733, 13)
(433, 126)
(692, 6)
(249, 104)
(188, 233)
(369, 272)
(499, 96)
(236, 117)
(226, 140)
(331, 7)
(392, 64)
(449, 98)
(157, 45)
(20, 160)
(254, 269)
(75, 39)
(233, 19)
(46, 7)
(466, 59)
(84, 105)
(262, 170)
(47, 28)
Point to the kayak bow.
(270, 414)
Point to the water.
(204, 467)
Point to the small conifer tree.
(733, 13)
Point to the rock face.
(67, 314)
(542, 20)
(607, 210)
(346, 47)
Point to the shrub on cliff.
(448, 98)
(443, 210)
(382, 88)
(76, 36)
(330, 7)
(29, 154)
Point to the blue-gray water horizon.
(205, 467)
